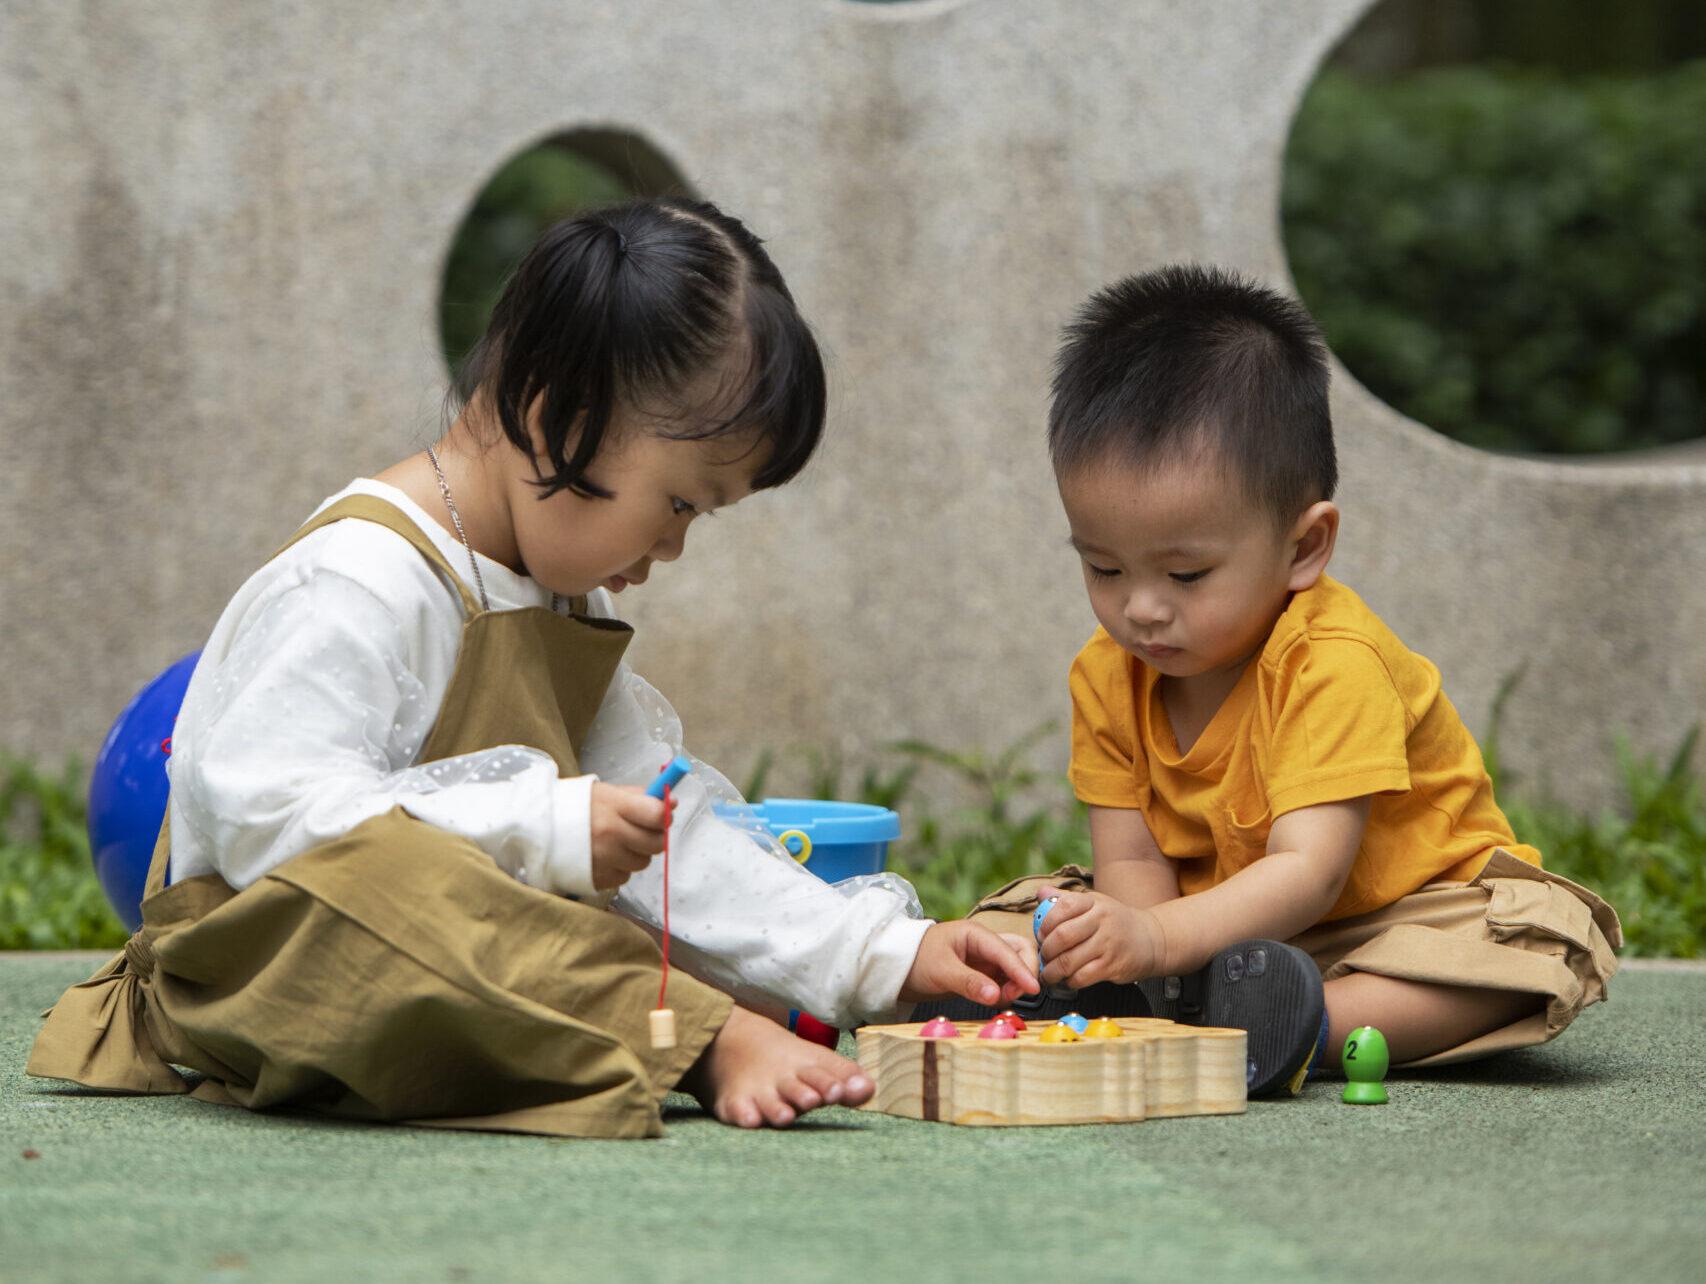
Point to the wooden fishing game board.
(1155, 1069)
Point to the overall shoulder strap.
(370, 508)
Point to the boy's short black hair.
(628, 305)
(1157, 365)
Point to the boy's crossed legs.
(755, 1073)
(1419, 1019)
(1451, 972)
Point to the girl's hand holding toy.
(628, 826)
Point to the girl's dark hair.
(1158, 364)
(626, 306)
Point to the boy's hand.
(973, 962)
(1089, 937)
(627, 831)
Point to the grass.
(1646, 856)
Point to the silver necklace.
(456, 520)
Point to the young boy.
(1261, 757)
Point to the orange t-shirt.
(1334, 707)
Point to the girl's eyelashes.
(1099, 572)
(1186, 577)
(678, 506)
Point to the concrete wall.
(221, 232)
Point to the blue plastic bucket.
(834, 840)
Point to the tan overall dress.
(396, 973)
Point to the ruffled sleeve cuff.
(888, 960)
(568, 862)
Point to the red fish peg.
(939, 1028)
(998, 1029)
(1013, 1019)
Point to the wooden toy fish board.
(1156, 1069)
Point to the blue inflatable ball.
(127, 793)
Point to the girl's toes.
(742, 1112)
(802, 1096)
(777, 1112)
(857, 1089)
(826, 1083)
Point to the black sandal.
(1270, 990)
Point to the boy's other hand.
(971, 961)
(627, 831)
(1090, 937)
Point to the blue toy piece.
(673, 770)
(1077, 1023)
(1037, 931)
(1038, 917)
(127, 791)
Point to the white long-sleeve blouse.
(316, 692)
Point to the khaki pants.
(1514, 927)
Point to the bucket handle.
(805, 840)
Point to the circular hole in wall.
(568, 172)
(1493, 208)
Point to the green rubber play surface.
(1581, 1161)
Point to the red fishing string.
(664, 983)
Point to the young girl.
(408, 775)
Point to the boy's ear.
(1312, 538)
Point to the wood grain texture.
(1156, 1069)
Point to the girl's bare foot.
(756, 1073)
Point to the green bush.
(1648, 860)
(1648, 857)
(1002, 834)
(538, 187)
(49, 899)
(1511, 257)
